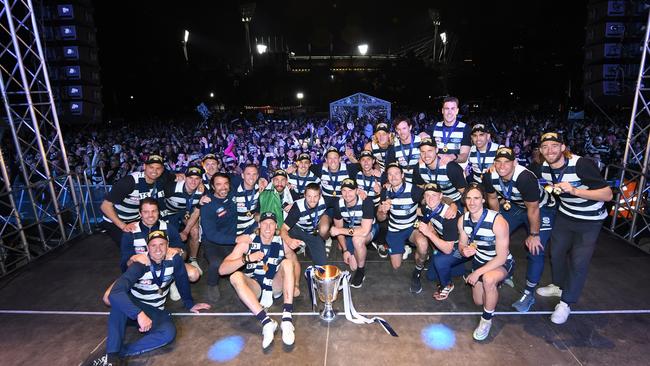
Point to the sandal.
(443, 293)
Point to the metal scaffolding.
(39, 208)
(630, 216)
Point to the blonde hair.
(391, 137)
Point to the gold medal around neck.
(249, 214)
(416, 224)
(445, 149)
(507, 206)
(473, 245)
(266, 267)
(334, 194)
(187, 216)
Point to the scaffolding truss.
(360, 105)
(630, 217)
(39, 207)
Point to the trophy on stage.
(327, 280)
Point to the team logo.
(145, 282)
(546, 221)
(221, 212)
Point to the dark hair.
(312, 187)
(148, 201)
(451, 99)
(219, 175)
(399, 119)
(469, 188)
(251, 166)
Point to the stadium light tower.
(261, 48)
(363, 49)
(186, 38)
(247, 11)
(300, 96)
(434, 14)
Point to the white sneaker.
(173, 292)
(301, 248)
(483, 329)
(195, 264)
(268, 331)
(407, 252)
(266, 299)
(561, 313)
(101, 361)
(288, 335)
(548, 291)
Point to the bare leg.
(490, 282)
(421, 247)
(193, 242)
(360, 250)
(396, 260)
(248, 291)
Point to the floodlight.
(363, 49)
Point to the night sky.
(531, 47)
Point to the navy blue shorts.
(348, 239)
(509, 266)
(396, 240)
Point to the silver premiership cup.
(327, 280)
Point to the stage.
(51, 313)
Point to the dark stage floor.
(51, 314)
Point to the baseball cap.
(349, 183)
(505, 152)
(157, 234)
(155, 159)
(193, 171)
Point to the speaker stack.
(71, 53)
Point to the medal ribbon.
(301, 187)
(143, 187)
(353, 219)
(481, 164)
(446, 136)
(433, 212)
(408, 160)
(558, 178)
(314, 222)
(478, 224)
(393, 194)
(248, 199)
(506, 190)
(157, 280)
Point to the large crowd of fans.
(107, 153)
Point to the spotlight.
(186, 37)
(261, 49)
(300, 95)
(226, 349)
(363, 49)
(443, 37)
(438, 337)
(211, 95)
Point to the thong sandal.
(443, 293)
